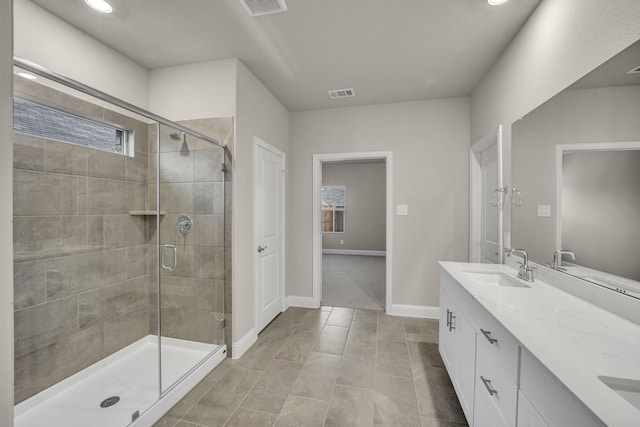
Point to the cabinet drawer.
(493, 382)
(498, 341)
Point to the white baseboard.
(421, 311)
(241, 346)
(353, 252)
(295, 301)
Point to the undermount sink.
(628, 389)
(497, 279)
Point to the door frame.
(318, 160)
(258, 142)
(475, 195)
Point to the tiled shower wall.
(82, 262)
(192, 182)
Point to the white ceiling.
(387, 50)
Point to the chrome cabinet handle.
(487, 385)
(175, 257)
(451, 325)
(487, 335)
(262, 248)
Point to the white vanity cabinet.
(475, 350)
(498, 382)
(458, 350)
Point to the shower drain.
(109, 401)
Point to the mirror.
(576, 167)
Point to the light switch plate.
(544, 210)
(402, 210)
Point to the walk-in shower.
(119, 255)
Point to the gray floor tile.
(298, 346)
(392, 358)
(340, 317)
(357, 367)
(351, 407)
(302, 412)
(434, 422)
(390, 328)
(248, 418)
(395, 402)
(273, 388)
(369, 316)
(313, 321)
(219, 403)
(423, 356)
(318, 376)
(262, 353)
(436, 396)
(179, 409)
(305, 370)
(332, 340)
(363, 334)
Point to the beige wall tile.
(37, 193)
(41, 325)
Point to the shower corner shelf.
(145, 213)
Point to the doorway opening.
(352, 230)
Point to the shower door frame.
(169, 397)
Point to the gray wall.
(556, 46)
(6, 214)
(365, 225)
(573, 116)
(430, 144)
(601, 210)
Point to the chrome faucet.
(557, 258)
(525, 272)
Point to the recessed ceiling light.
(27, 76)
(496, 2)
(100, 5)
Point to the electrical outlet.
(342, 242)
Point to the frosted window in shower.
(43, 121)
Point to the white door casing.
(490, 251)
(318, 160)
(486, 242)
(269, 179)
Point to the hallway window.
(333, 208)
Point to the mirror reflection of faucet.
(557, 259)
(525, 272)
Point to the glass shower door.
(190, 248)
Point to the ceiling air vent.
(263, 7)
(635, 70)
(341, 93)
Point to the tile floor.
(328, 367)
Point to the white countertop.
(575, 340)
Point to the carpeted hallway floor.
(353, 281)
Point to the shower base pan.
(131, 375)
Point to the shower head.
(177, 135)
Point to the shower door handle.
(175, 257)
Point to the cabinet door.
(527, 415)
(446, 337)
(464, 378)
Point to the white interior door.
(269, 232)
(490, 213)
